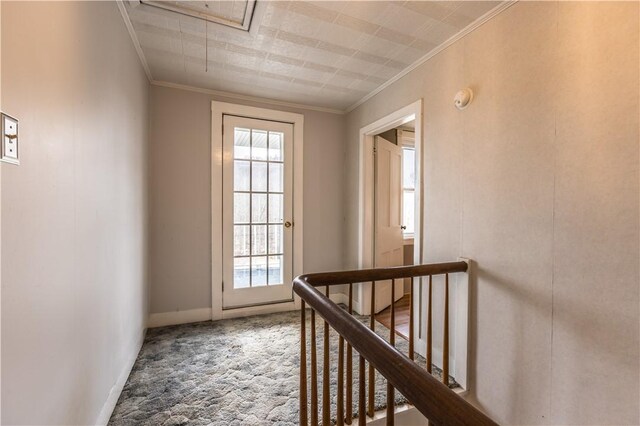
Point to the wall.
(74, 296)
(390, 135)
(537, 181)
(180, 201)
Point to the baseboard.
(179, 317)
(116, 389)
(338, 298)
(196, 315)
(259, 310)
(404, 415)
(344, 299)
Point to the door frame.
(218, 110)
(366, 188)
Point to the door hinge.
(223, 286)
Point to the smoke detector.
(463, 98)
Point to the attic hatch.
(231, 13)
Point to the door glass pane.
(275, 270)
(242, 143)
(275, 208)
(258, 239)
(241, 241)
(275, 177)
(275, 146)
(275, 239)
(241, 272)
(259, 144)
(241, 179)
(259, 176)
(241, 208)
(259, 271)
(259, 208)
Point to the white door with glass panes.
(257, 211)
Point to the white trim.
(179, 317)
(468, 29)
(235, 96)
(260, 310)
(366, 186)
(216, 212)
(134, 39)
(218, 109)
(116, 389)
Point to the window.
(408, 190)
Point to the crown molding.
(145, 65)
(459, 35)
(466, 30)
(134, 39)
(237, 96)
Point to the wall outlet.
(10, 145)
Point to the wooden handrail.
(322, 279)
(431, 397)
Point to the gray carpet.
(231, 372)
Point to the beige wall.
(180, 201)
(537, 181)
(74, 298)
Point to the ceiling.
(329, 54)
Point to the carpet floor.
(232, 372)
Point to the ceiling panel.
(320, 53)
(231, 13)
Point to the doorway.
(394, 215)
(387, 216)
(256, 220)
(381, 196)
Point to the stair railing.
(432, 398)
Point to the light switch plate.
(10, 145)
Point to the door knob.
(403, 227)
(288, 224)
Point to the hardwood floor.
(402, 317)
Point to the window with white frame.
(408, 189)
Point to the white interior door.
(257, 212)
(388, 241)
